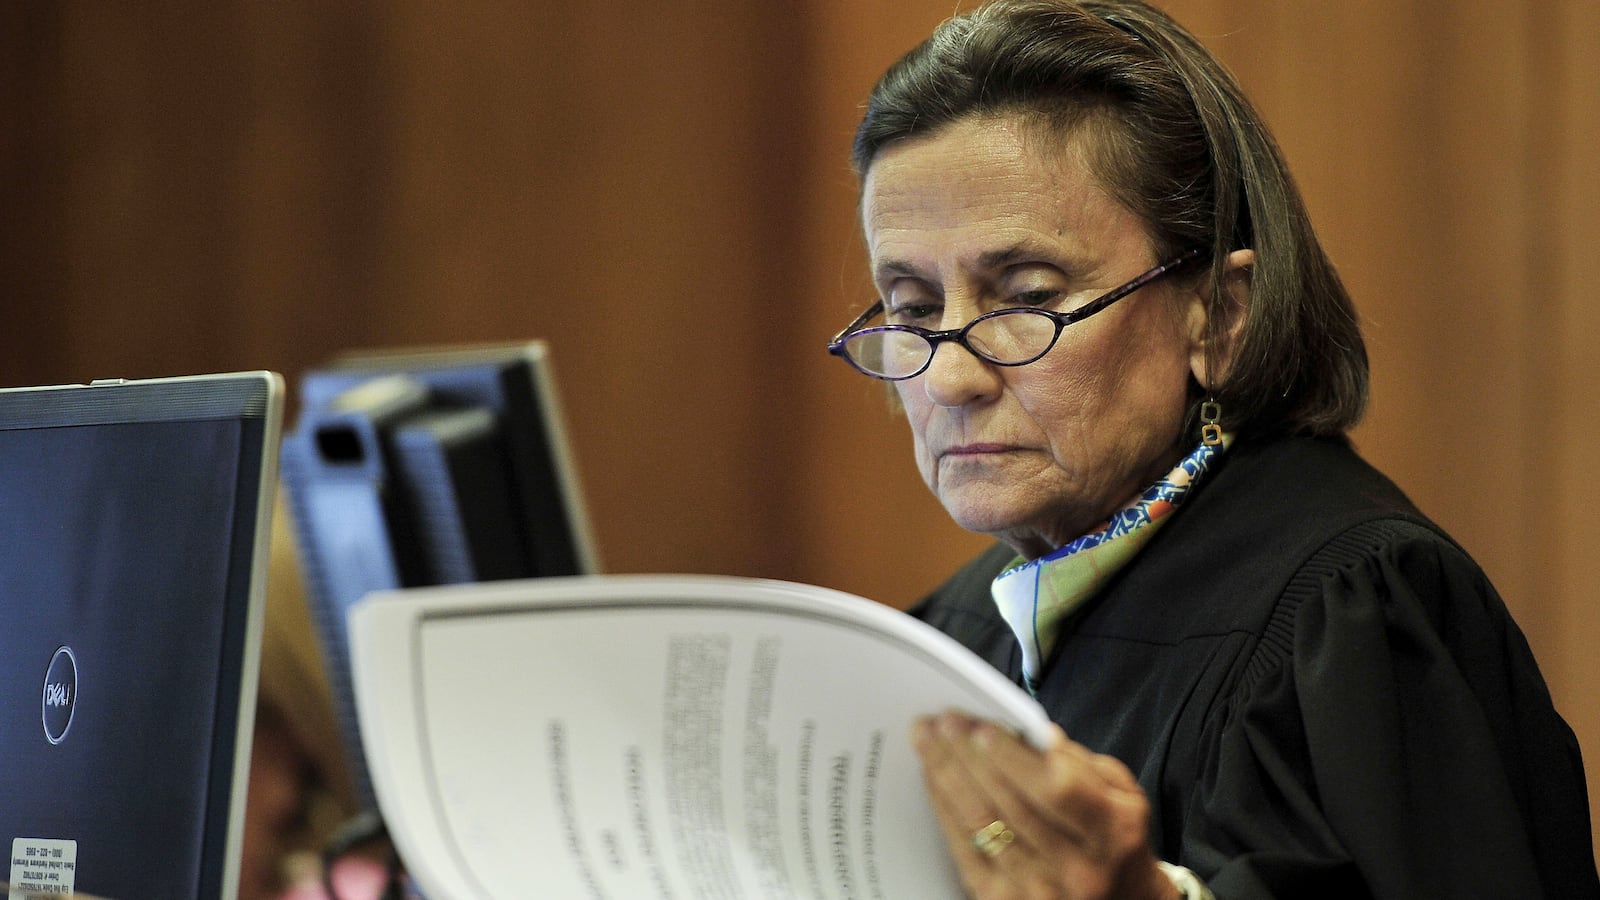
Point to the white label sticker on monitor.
(42, 867)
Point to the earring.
(1210, 422)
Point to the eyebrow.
(997, 259)
(896, 267)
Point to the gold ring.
(993, 838)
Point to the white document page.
(702, 741)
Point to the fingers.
(1077, 818)
(962, 809)
(980, 840)
(1075, 790)
(1066, 785)
(1012, 778)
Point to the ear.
(1212, 343)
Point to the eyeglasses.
(1005, 337)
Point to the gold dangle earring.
(1211, 422)
(1210, 409)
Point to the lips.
(976, 450)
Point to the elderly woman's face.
(984, 214)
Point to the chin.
(979, 520)
(1030, 534)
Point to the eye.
(912, 313)
(1043, 297)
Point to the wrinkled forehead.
(989, 196)
(1076, 137)
(982, 166)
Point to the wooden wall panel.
(1563, 284)
(265, 186)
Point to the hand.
(1075, 823)
(354, 878)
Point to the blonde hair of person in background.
(300, 788)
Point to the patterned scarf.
(1036, 597)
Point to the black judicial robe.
(1321, 693)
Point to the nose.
(957, 377)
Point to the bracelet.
(1188, 883)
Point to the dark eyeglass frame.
(836, 346)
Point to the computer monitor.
(412, 468)
(134, 517)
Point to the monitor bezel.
(256, 400)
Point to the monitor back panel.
(419, 467)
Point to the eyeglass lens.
(1008, 338)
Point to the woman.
(1273, 675)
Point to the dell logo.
(60, 694)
